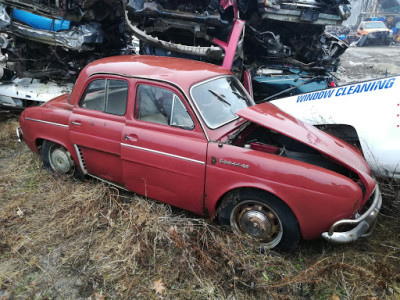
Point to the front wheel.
(57, 159)
(262, 218)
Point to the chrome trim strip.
(47, 122)
(108, 182)
(165, 153)
(80, 159)
(19, 134)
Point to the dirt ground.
(66, 239)
(364, 63)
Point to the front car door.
(96, 125)
(164, 148)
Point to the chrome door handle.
(76, 123)
(132, 137)
(127, 137)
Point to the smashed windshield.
(219, 99)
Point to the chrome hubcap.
(61, 161)
(257, 221)
(255, 224)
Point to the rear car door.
(164, 148)
(96, 125)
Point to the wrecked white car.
(366, 114)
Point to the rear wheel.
(262, 218)
(57, 159)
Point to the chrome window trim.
(212, 79)
(164, 153)
(47, 122)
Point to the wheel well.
(345, 132)
(234, 195)
(39, 143)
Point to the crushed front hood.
(270, 116)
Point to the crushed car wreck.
(187, 133)
(373, 33)
(54, 40)
(26, 92)
(287, 37)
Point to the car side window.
(116, 97)
(94, 95)
(106, 95)
(161, 106)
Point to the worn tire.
(57, 159)
(260, 217)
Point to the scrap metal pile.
(274, 45)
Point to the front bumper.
(363, 225)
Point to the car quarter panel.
(318, 197)
(47, 123)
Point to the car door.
(96, 125)
(164, 148)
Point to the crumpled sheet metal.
(77, 38)
(5, 19)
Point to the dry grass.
(78, 240)
(7, 138)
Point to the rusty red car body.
(271, 177)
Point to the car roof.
(182, 72)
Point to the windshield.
(219, 99)
(374, 25)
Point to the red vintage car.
(187, 133)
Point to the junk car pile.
(274, 45)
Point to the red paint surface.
(173, 165)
